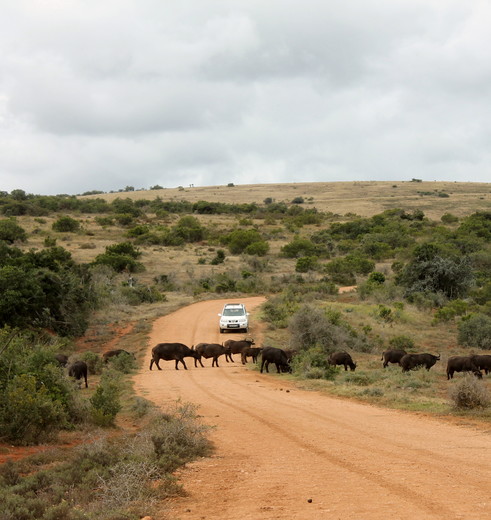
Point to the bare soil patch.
(286, 453)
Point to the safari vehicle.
(234, 317)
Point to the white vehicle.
(234, 317)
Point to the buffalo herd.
(281, 358)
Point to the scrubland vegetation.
(72, 265)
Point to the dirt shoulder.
(284, 453)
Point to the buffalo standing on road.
(462, 364)
(78, 370)
(276, 356)
(236, 347)
(412, 361)
(342, 358)
(393, 356)
(252, 352)
(172, 351)
(210, 350)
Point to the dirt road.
(284, 453)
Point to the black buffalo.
(112, 353)
(462, 364)
(78, 370)
(210, 350)
(236, 347)
(483, 362)
(342, 358)
(62, 359)
(276, 356)
(393, 356)
(412, 361)
(172, 351)
(252, 352)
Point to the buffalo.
(236, 347)
(276, 356)
(412, 361)
(210, 350)
(111, 353)
(393, 356)
(172, 351)
(342, 358)
(462, 364)
(62, 359)
(78, 370)
(483, 362)
(252, 352)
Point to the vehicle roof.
(234, 305)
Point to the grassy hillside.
(365, 198)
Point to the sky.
(107, 94)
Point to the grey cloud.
(100, 95)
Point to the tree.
(189, 229)
(240, 239)
(436, 274)
(66, 225)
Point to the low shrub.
(312, 364)
(123, 363)
(178, 438)
(470, 393)
(28, 415)
(105, 400)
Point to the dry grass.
(364, 198)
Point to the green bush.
(306, 264)
(300, 247)
(123, 363)
(401, 342)
(240, 239)
(66, 225)
(278, 310)
(105, 400)
(450, 311)
(219, 258)
(312, 364)
(142, 294)
(475, 331)
(28, 415)
(10, 231)
(259, 248)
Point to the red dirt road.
(278, 447)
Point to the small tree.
(66, 225)
(306, 264)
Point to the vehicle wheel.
(221, 331)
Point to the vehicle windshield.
(233, 312)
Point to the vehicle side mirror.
(219, 314)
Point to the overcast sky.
(104, 94)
